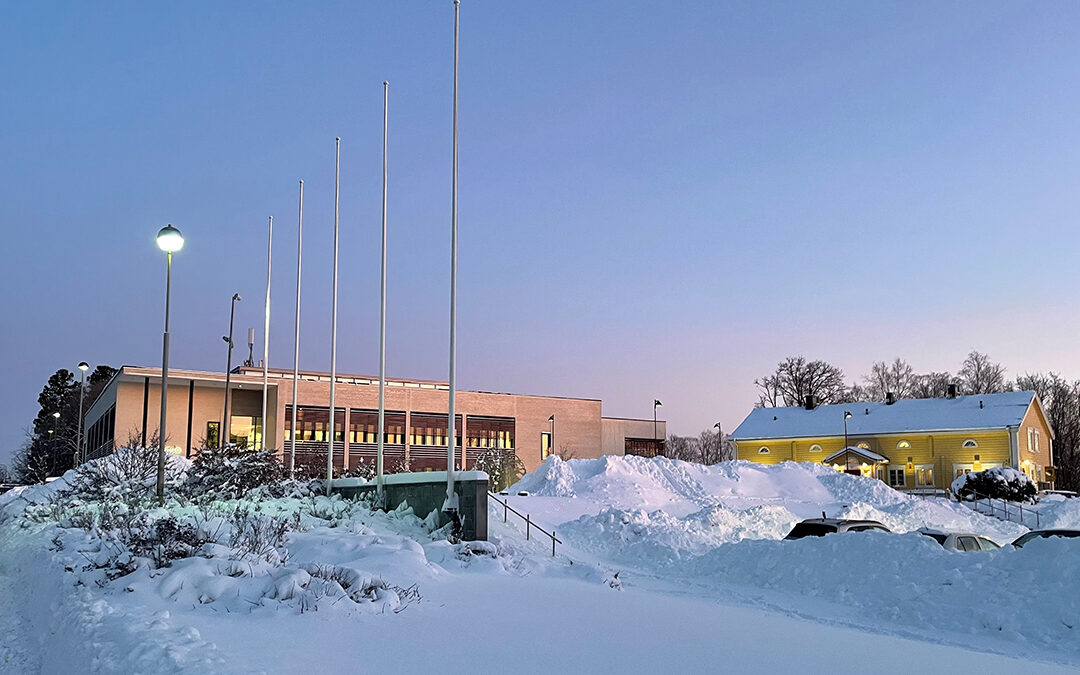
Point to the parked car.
(1068, 494)
(819, 527)
(960, 541)
(1043, 534)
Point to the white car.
(960, 541)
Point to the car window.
(939, 538)
(810, 530)
(1019, 543)
(988, 545)
(967, 544)
(866, 528)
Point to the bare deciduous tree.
(897, 377)
(980, 375)
(796, 378)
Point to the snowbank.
(1030, 596)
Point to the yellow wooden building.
(907, 443)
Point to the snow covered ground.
(702, 583)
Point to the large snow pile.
(654, 511)
(1027, 595)
(1057, 512)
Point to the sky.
(657, 200)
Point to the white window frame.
(903, 473)
(924, 467)
(903, 445)
(863, 444)
(969, 443)
(815, 447)
(763, 450)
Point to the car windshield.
(810, 530)
(1043, 535)
(939, 538)
(986, 543)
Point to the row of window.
(902, 445)
(425, 429)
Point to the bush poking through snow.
(502, 466)
(230, 472)
(997, 483)
(259, 535)
(131, 470)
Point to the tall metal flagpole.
(333, 324)
(450, 506)
(382, 303)
(266, 333)
(296, 336)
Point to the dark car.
(819, 527)
(1044, 534)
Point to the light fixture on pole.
(296, 335)
(847, 414)
(226, 418)
(719, 441)
(266, 336)
(656, 442)
(450, 506)
(80, 456)
(56, 425)
(379, 499)
(169, 240)
(333, 326)
(551, 439)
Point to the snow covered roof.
(977, 411)
(861, 452)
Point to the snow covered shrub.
(997, 483)
(259, 535)
(503, 467)
(130, 471)
(229, 472)
(164, 540)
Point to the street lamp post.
(169, 239)
(80, 456)
(226, 420)
(847, 414)
(719, 441)
(551, 439)
(656, 443)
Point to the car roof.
(927, 530)
(840, 521)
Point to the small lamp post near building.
(847, 414)
(656, 443)
(226, 420)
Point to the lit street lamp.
(80, 456)
(169, 239)
(226, 420)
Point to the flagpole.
(382, 303)
(450, 506)
(333, 323)
(296, 335)
(266, 332)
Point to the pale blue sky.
(658, 200)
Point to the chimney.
(810, 402)
(951, 390)
(890, 398)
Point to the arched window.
(815, 448)
(970, 443)
(903, 445)
(763, 450)
(863, 444)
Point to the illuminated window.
(545, 445)
(863, 444)
(924, 475)
(763, 450)
(903, 445)
(970, 443)
(815, 448)
(213, 434)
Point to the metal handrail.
(1004, 508)
(529, 524)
